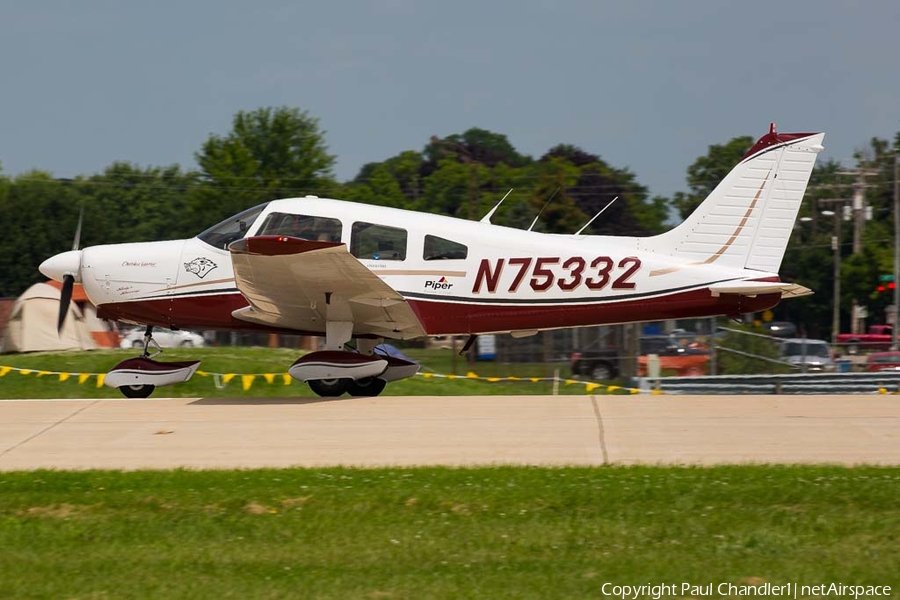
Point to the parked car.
(676, 353)
(166, 338)
(883, 361)
(813, 355)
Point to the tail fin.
(747, 220)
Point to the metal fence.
(812, 383)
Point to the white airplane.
(349, 271)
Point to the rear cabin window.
(438, 248)
(321, 229)
(377, 242)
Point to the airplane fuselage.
(458, 276)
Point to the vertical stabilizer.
(747, 220)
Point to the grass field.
(441, 533)
(219, 361)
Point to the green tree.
(127, 203)
(404, 190)
(474, 145)
(454, 188)
(556, 176)
(707, 171)
(379, 187)
(597, 184)
(269, 153)
(39, 217)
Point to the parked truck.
(878, 337)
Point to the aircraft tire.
(137, 391)
(369, 386)
(328, 388)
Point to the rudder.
(747, 220)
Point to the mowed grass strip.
(441, 533)
(260, 361)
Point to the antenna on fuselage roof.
(540, 212)
(487, 218)
(595, 216)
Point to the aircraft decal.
(200, 266)
(439, 284)
(594, 276)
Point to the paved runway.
(529, 430)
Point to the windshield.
(232, 228)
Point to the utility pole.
(896, 324)
(860, 213)
(836, 249)
(836, 310)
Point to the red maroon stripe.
(442, 318)
(774, 138)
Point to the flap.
(755, 288)
(300, 284)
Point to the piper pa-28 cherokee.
(348, 271)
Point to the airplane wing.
(300, 284)
(755, 288)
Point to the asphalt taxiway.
(470, 430)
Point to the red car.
(883, 361)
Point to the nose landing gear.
(139, 377)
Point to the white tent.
(32, 324)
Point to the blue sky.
(646, 85)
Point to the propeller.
(77, 241)
(65, 297)
(68, 280)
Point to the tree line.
(281, 152)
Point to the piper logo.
(440, 284)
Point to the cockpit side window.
(322, 229)
(438, 248)
(377, 242)
(232, 228)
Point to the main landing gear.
(139, 377)
(334, 371)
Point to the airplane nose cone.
(66, 263)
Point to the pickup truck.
(674, 356)
(877, 338)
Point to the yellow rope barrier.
(247, 379)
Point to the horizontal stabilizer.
(756, 288)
